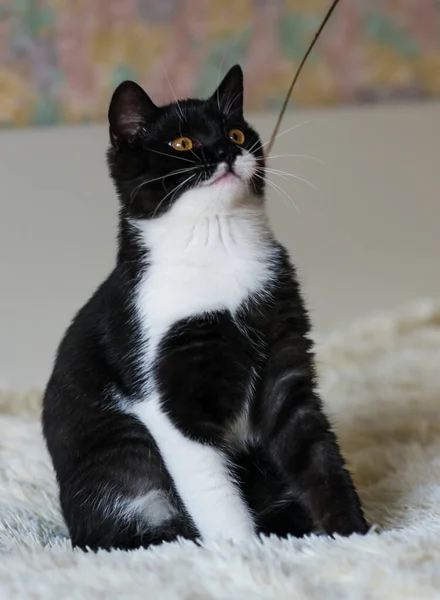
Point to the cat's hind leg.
(117, 492)
(107, 519)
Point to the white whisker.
(173, 191)
(254, 145)
(171, 155)
(182, 116)
(297, 177)
(270, 183)
(280, 191)
(231, 102)
(191, 150)
(290, 129)
(296, 127)
(306, 156)
(194, 154)
(218, 77)
(176, 172)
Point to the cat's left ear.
(130, 110)
(229, 94)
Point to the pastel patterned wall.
(61, 59)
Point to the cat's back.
(90, 321)
(89, 351)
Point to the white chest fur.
(197, 267)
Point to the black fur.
(293, 477)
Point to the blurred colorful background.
(61, 59)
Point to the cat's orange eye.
(237, 136)
(182, 144)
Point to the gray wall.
(368, 240)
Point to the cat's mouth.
(223, 176)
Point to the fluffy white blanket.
(381, 383)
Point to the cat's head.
(200, 155)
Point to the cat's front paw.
(234, 532)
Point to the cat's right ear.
(130, 110)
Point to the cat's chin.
(226, 192)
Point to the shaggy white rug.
(381, 383)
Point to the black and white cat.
(182, 402)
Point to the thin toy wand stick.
(297, 74)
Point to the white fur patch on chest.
(199, 266)
(200, 259)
